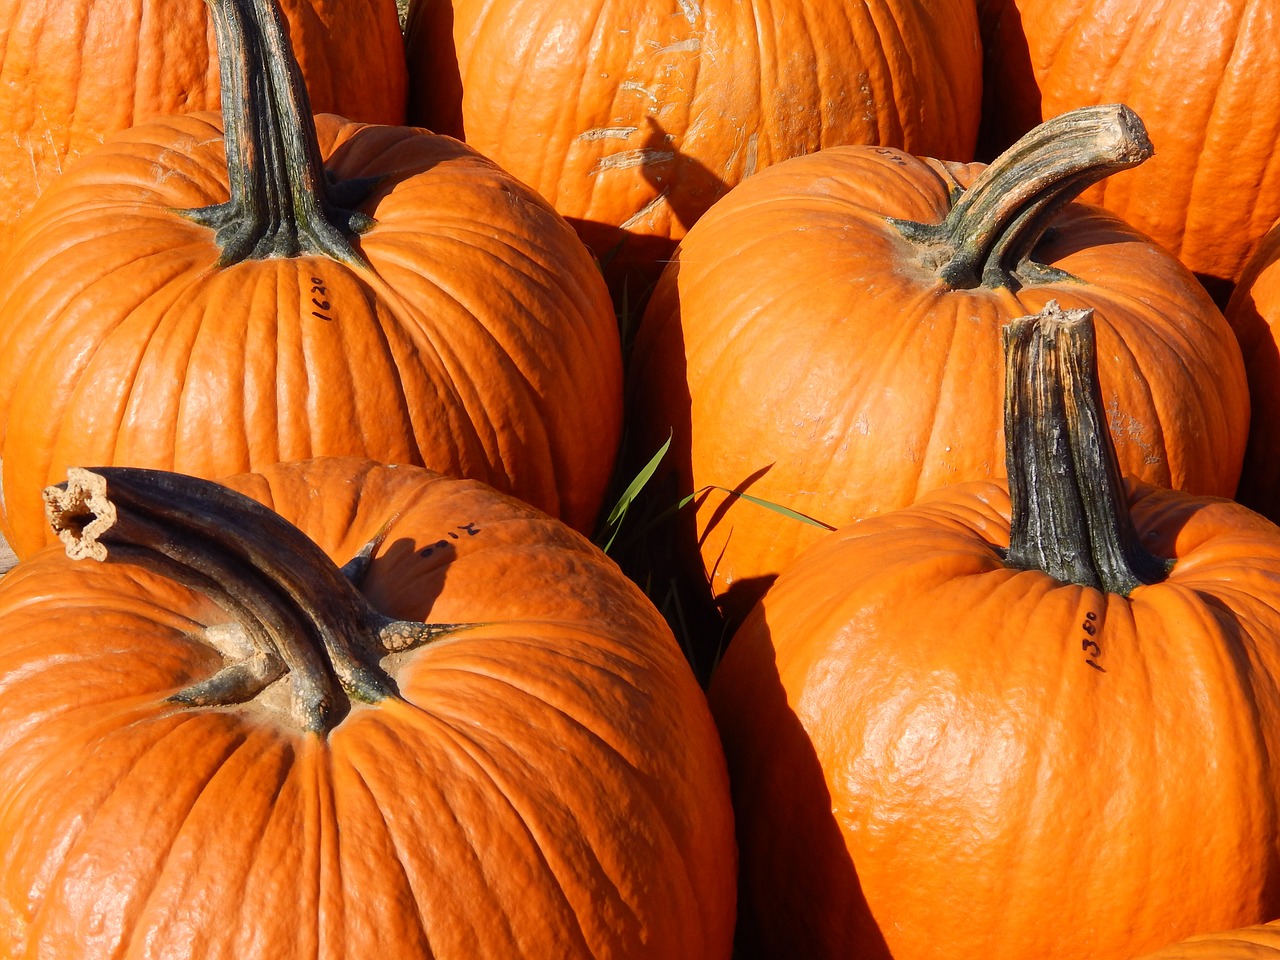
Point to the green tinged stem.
(282, 202)
(292, 608)
(988, 236)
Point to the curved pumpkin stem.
(282, 203)
(987, 237)
(1069, 511)
(294, 611)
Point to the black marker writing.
(318, 287)
(457, 533)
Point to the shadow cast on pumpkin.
(793, 862)
(681, 189)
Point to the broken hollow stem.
(291, 606)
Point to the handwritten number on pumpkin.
(317, 286)
(1088, 644)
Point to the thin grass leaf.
(613, 522)
(759, 502)
(683, 502)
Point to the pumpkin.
(827, 339)
(1254, 314)
(1035, 718)
(633, 118)
(1258, 942)
(316, 288)
(1192, 69)
(74, 72)
(482, 742)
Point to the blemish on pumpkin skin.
(41, 147)
(750, 166)
(635, 86)
(631, 158)
(164, 169)
(1130, 429)
(739, 141)
(692, 44)
(691, 9)
(605, 133)
(643, 213)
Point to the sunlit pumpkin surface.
(75, 72)
(548, 784)
(925, 743)
(479, 341)
(803, 351)
(1193, 69)
(675, 102)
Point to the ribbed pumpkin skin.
(551, 784)
(1259, 942)
(632, 118)
(916, 742)
(482, 342)
(801, 352)
(1192, 70)
(1254, 315)
(74, 72)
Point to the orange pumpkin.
(1192, 69)
(406, 301)
(1259, 942)
(633, 118)
(1040, 716)
(827, 338)
(75, 72)
(272, 765)
(1254, 315)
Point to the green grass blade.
(613, 522)
(759, 502)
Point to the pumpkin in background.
(1259, 942)
(1034, 719)
(827, 339)
(1193, 70)
(74, 72)
(540, 779)
(1254, 314)
(379, 291)
(632, 118)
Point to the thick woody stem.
(989, 234)
(282, 203)
(1070, 513)
(293, 608)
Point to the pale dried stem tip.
(80, 513)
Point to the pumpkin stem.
(989, 234)
(1069, 510)
(282, 203)
(293, 610)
